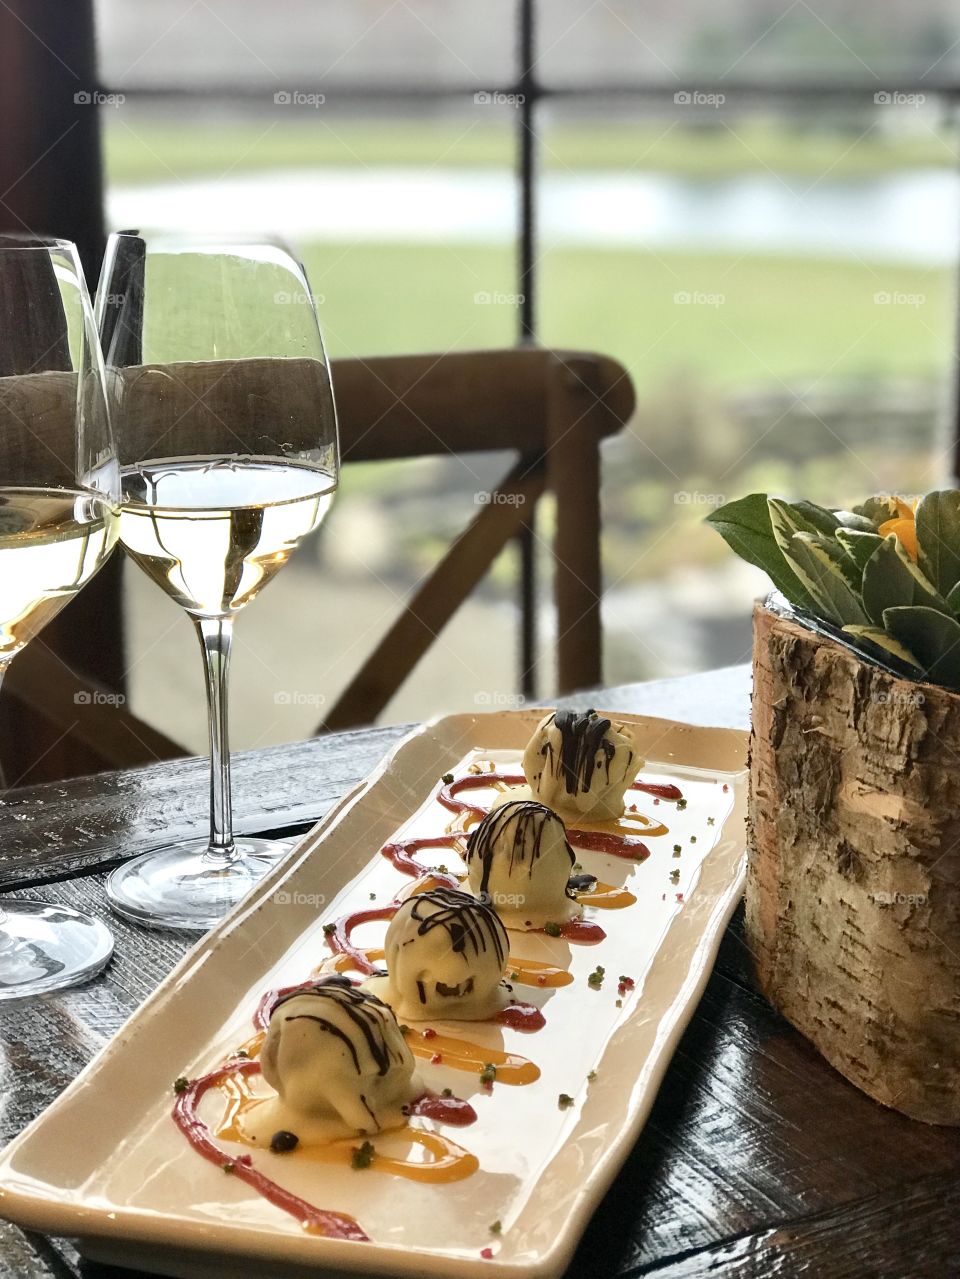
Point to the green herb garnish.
(488, 1074)
(447, 778)
(552, 929)
(564, 1100)
(362, 1156)
(596, 977)
(181, 1084)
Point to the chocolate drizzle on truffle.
(362, 1009)
(530, 819)
(583, 739)
(471, 926)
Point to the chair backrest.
(550, 408)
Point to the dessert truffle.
(579, 764)
(445, 953)
(339, 1063)
(519, 862)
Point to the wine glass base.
(180, 888)
(45, 947)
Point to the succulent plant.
(886, 574)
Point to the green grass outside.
(780, 318)
(143, 149)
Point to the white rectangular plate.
(106, 1164)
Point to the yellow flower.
(903, 527)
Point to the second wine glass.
(227, 438)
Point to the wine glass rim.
(15, 241)
(206, 242)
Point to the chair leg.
(436, 600)
(573, 475)
(527, 547)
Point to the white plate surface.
(106, 1164)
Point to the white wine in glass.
(212, 532)
(228, 450)
(59, 497)
(52, 541)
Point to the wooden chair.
(551, 409)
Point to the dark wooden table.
(758, 1159)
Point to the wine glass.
(227, 437)
(59, 494)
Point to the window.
(756, 214)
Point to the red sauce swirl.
(445, 1110)
(401, 853)
(335, 1225)
(339, 939)
(525, 1017)
(597, 841)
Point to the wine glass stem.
(216, 638)
(4, 938)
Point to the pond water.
(908, 216)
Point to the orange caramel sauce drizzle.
(449, 1162)
(606, 896)
(528, 972)
(461, 1054)
(619, 838)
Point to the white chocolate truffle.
(581, 765)
(445, 953)
(339, 1063)
(519, 862)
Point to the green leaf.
(953, 599)
(938, 538)
(873, 636)
(877, 509)
(858, 546)
(818, 562)
(745, 526)
(787, 518)
(818, 518)
(849, 519)
(932, 637)
(892, 580)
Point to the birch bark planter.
(853, 885)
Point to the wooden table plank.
(851, 1242)
(64, 828)
(750, 1125)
